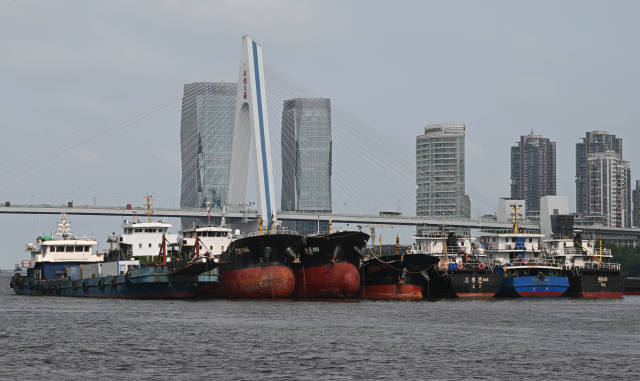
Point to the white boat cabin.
(512, 247)
(212, 240)
(575, 254)
(63, 246)
(443, 245)
(144, 239)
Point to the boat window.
(87, 248)
(210, 247)
(530, 239)
(139, 246)
(59, 249)
(78, 248)
(69, 248)
(138, 230)
(149, 245)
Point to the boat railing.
(540, 262)
(601, 266)
(271, 232)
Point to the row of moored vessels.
(146, 261)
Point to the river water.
(76, 338)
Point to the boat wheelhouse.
(207, 241)
(52, 253)
(143, 239)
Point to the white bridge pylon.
(251, 121)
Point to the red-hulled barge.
(328, 266)
(397, 277)
(259, 266)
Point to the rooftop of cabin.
(207, 229)
(152, 224)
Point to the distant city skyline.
(109, 82)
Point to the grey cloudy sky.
(90, 91)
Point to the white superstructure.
(64, 247)
(577, 253)
(212, 240)
(144, 239)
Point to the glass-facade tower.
(306, 159)
(206, 138)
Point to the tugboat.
(259, 265)
(328, 265)
(395, 277)
(66, 266)
(590, 271)
(527, 271)
(461, 272)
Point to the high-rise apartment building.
(636, 205)
(206, 138)
(593, 142)
(533, 170)
(609, 189)
(440, 172)
(306, 147)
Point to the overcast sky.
(90, 91)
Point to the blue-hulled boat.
(527, 270)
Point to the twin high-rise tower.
(206, 135)
(221, 122)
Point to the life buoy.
(481, 266)
(460, 266)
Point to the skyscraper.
(440, 172)
(206, 138)
(306, 158)
(609, 185)
(593, 142)
(636, 205)
(533, 170)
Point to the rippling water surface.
(75, 338)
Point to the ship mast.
(515, 218)
(148, 205)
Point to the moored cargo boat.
(527, 270)
(328, 265)
(533, 279)
(67, 266)
(462, 271)
(632, 286)
(590, 272)
(395, 277)
(259, 265)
